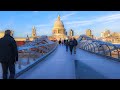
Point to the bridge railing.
(99, 47)
(32, 52)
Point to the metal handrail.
(90, 46)
(30, 51)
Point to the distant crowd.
(70, 44)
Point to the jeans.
(71, 48)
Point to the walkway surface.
(83, 65)
(59, 65)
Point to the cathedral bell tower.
(34, 32)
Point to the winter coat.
(75, 42)
(8, 50)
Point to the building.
(113, 37)
(71, 33)
(34, 35)
(66, 33)
(21, 40)
(2, 33)
(105, 33)
(89, 33)
(58, 30)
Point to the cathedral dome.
(58, 23)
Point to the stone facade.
(89, 33)
(113, 37)
(58, 30)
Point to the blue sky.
(22, 21)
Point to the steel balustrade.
(34, 50)
(99, 47)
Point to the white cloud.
(108, 18)
(79, 23)
(64, 17)
(67, 16)
(98, 23)
(103, 19)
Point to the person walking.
(59, 42)
(64, 41)
(8, 55)
(75, 45)
(66, 44)
(71, 44)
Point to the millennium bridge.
(45, 59)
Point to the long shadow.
(84, 71)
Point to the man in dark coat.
(66, 44)
(8, 55)
(71, 45)
(64, 41)
(59, 41)
(75, 44)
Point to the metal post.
(19, 64)
(28, 61)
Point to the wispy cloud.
(103, 19)
(79, 23)
(67, 16)
(108, 18)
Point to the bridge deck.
(83, 65)
(59, 65)
(91, 66)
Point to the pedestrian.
(59, 42)
(8, 55)
(64, 41)
(75, 45)
(71, 45)
(66, 44)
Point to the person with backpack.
(75, 44)
(71, 45)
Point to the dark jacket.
(71, 43)
(66, 42)
(75, 42)
(8, 50)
